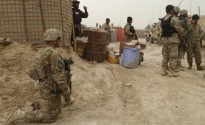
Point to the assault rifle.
(132, 30)
(68, 63)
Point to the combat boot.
(190, 66)
(177, 70)
(172, 73)
(199, 67)
(180, 69)
(16, 115)
(70, 100)
(164, 72)
(180, 66)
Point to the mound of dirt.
(16, 86)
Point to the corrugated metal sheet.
(22, 20)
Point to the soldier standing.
(50, 69)
(177, 10)
(183, 39)
(179, 66)
(130, 32)
(193, 43)
(170, 30)
(107, 28)
(77, 18)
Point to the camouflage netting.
(25, 20)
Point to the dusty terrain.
(108, 94)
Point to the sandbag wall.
(26, 20)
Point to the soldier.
(155, 34)
(177, 10)
(170, 30)
(77, 17)
(49, 71)
(183, 40)
(130, 32)
(193, 43)
(107, 28)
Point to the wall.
(25, 20)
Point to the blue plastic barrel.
(130, 58)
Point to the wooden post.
(73, 31)
(42, 16)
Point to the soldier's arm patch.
(61, 65)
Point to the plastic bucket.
(130, 58)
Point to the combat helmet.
(52, 35)
(176, 9)
(183, 12)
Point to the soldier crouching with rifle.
(49, 69)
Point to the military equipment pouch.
(33, 74)
(167, 29)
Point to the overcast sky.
(143, 11)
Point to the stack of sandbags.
(22, 20)
(5, 41)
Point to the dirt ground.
(108, 94)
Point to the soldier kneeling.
(49, 70)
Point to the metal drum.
(96, 46)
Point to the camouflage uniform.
(170, 46)
(52, 83)
(51, 86)
(108, 35)
(183, 40)
(193, 43)
(129, 35)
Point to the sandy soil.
(108, 94)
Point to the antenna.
(190, 7)
(160, 12)
(180, 3)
